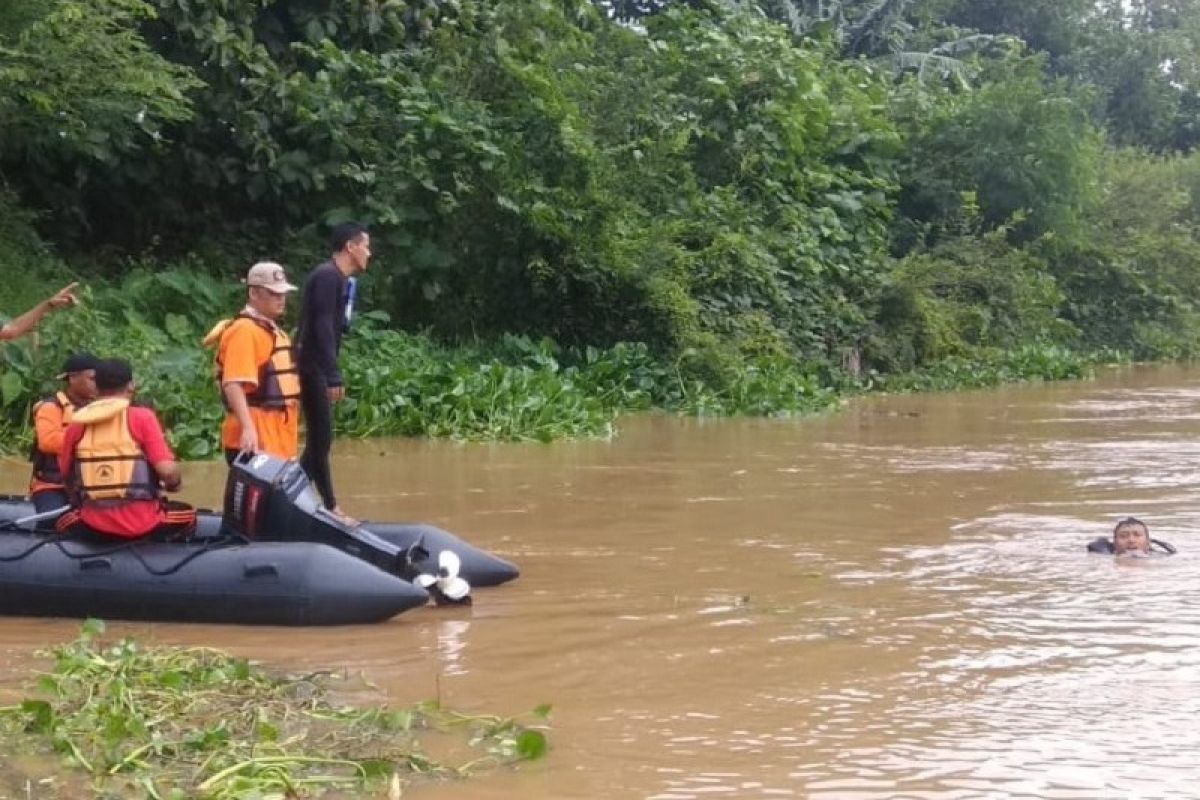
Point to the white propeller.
(447, 582)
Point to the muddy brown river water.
(892, 601)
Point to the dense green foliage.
(169, 723)
(585, 208)
(399, 384)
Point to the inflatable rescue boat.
(274, 557)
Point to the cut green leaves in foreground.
(169, 722)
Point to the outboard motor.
(270, 499)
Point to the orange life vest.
(278, 377)
(45, 465)
(109, 465)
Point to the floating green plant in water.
(171, 723)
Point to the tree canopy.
(718, 179)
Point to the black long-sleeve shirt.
(322, 311)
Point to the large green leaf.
(11, 387)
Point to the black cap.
(113, 374)
(78, 362)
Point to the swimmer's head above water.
(1130, 538)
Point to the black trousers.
(49, 500)
(318, 438)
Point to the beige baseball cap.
(269, 276)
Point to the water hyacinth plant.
(171, 723)
(991, 368)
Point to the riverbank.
(510, 389)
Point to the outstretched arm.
(63, 298)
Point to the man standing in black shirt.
(324, 316)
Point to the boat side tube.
(479, 567)
(268, 583)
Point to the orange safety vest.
(278, 377)
(45, 465)
(109, 465)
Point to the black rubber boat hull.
(264, 583)
(277, 557)
(272, 499)
(479, 567)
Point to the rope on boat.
(216, 543)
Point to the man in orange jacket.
(51, 416)
(256, 371)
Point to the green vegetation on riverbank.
(584, 209)
(169, 723)
(405, 385)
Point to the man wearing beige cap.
(256, 371)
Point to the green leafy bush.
(965, 294)
(1132, 280)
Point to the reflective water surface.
(890, 601)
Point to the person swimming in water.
(1131, 537)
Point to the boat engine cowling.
(271, 499)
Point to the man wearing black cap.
(51, 416)
(116, 462)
